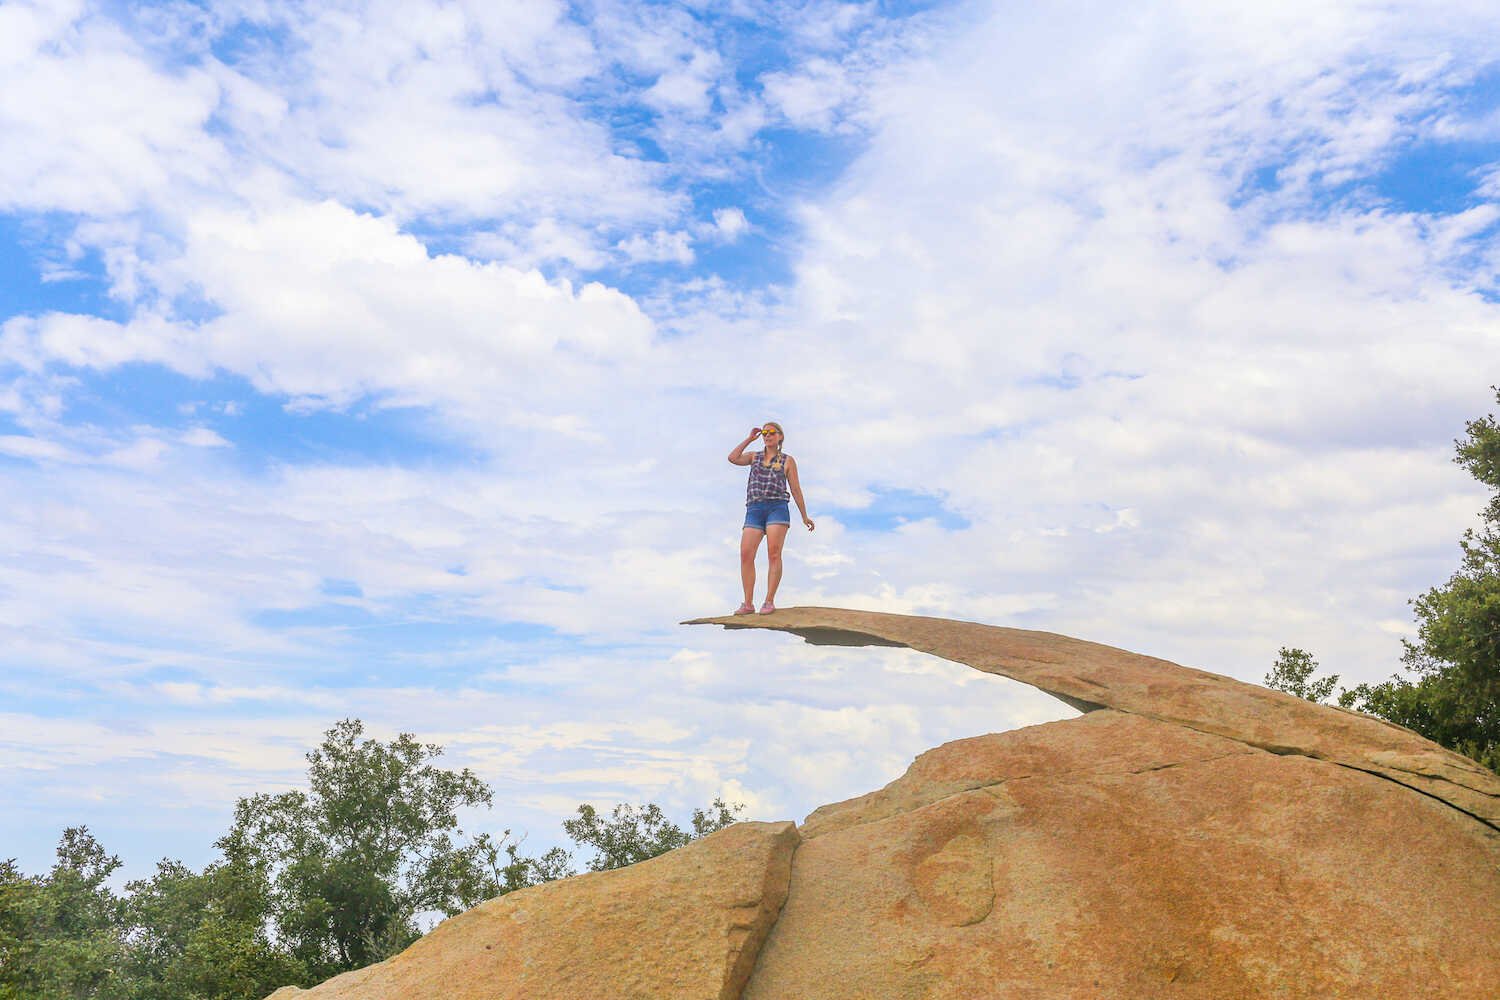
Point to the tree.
(1452, 692)
(310, 883)
(501, 868)
(630, 834)
(1292, 672)
(204, 935)
(62, 935)
(354, 861)
(15, 930)
(1453, 695)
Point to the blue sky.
(380, 360)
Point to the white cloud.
(450, 111)
(1180, 413)
(319, 301)
(676, 247)
(812, 96)
(89, 124)
(204, 437)
(80, 341)
(547, 242)
(730, 224)
(686, 87)
(456, 109)
(1039, 293)
(20, 446)
(822, 25)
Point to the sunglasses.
(768, 431)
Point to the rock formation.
(1089, 676)
(1188, 836)
(1115, 856)
(684, 926)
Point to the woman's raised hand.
(755, 434)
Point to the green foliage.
(179, 935)
(633, 834)
(203, 935)
(1292, 672)
(1441, 706)
(62, 934)
(501, 868)
(353, 862)
(1452, 692)
(15, 890)
(309, 883)
(1454, 697)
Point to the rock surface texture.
(684, 926)
(1113, 856)
(1188, 836)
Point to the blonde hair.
(779, 462)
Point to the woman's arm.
(738, 456)
(795, 486)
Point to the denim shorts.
(760, 513)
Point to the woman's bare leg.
(749, 545)
(775, 539)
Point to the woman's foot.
(745, 609)
(767, 608)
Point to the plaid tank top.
(767, 482)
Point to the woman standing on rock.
(772, 474)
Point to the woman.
(772, 473)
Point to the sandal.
(767, 608)
(745, 609)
